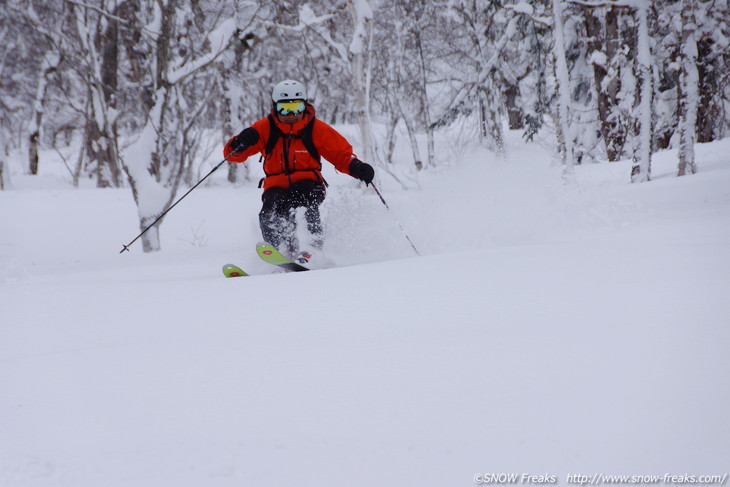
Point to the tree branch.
(538, 20)
(616, 4)
(99, 10)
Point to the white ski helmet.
(289, 90)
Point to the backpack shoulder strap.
(307, 139)
(274, 134)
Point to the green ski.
(269, 254)
(230, 270)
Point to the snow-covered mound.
(547, 329)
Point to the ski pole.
(394, 218)
(126, 247)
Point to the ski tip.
(266, 250)
(230, 270)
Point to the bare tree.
(97, 33)
(48, 68)
(360, 50)
(713, 56)
(184, 53)
(36, 64)
(641, 168)
(688, 85)
(609, 59)
(564, 132)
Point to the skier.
(291, 140)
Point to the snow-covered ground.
(547, 329)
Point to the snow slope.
(547, 329)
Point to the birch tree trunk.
(390, 138)
(109, 170)
(688, 91)
(98, 38)
(158, 160)
(515, 116)
(490, 121)
(412, 137)
(565, 135)
(711, 118)
(641, 168)
(145, 161)
(3, 173)
(430, 146)
(604, 37)
(362, 16)
(150, 196)
(50, 64)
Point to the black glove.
(362, 171)
(245, 139)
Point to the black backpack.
(306, 135)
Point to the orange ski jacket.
(289, 160)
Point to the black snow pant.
(278, 215)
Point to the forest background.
(140, 93)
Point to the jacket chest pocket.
(301, 159)
(299, 156)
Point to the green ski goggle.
(292, 107)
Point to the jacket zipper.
(287, 146)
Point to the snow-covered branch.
(484, 73)
(362, 15)
(527, 11)
(98, 10)
(613, 4)
(220, 40)
(307, 18)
